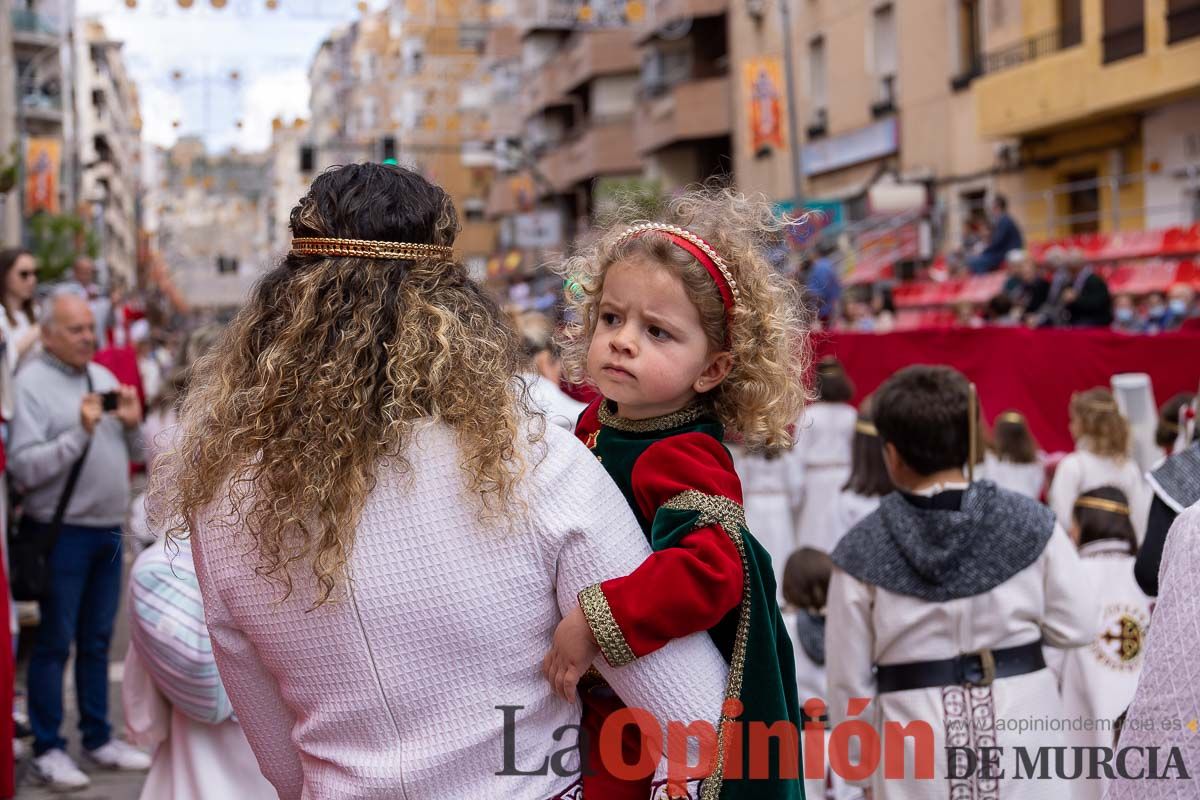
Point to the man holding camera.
(74, 431)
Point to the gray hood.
(940, 555)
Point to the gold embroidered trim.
(718, 262)
(363, 248)
(663, 423)
(731, 517)
(604, 627)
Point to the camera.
(110, 400)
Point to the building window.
(884, 29)
(970, 57)
(1070, 22)
(1183, 20)
(884, 40)
(1083, 202)
(818, 122)
(368, 116)
(1124, 29)
(413, 55)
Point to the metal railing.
(1052, 220)
(38, 101)
(1028, 50)
(26, 21)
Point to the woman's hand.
(573, 651)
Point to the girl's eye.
(608, 318)
(658, 333)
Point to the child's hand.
(572, 653)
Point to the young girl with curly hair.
(1101, 458)
(688, 333)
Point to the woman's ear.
(712, 375)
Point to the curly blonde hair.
(765, 390)
(1097, 421)
(323, 374)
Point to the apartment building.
(108, 131)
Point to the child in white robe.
(869, 480)
(805, 588)
(772, 487)
(1101, 458)
(823, 443)
(1014, 462)
(940, 602)
(1098, 681)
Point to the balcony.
(32, 31)
(605, 148)
(1045, 82)
(47, 108)
(664, 15)
(596, 53)
(698, 109)
(541, 89)
(533, 16)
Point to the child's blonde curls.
(765, 390)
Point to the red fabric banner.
(1034, 372)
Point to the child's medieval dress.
(707, 573)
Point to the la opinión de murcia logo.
(756, 750)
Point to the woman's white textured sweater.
(393, 692)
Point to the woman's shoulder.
(554, 454)
(1186, 529)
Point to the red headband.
(703, 252)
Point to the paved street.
(105, 785)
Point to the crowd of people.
(83, 379)
(847, 465)
(408, 542)
(1065, 291)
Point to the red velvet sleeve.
(588, 424)
(695, 579)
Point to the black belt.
(970, 669)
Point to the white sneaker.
(56, 769)
(116, 754)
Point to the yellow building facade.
(1102, 99)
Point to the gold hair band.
(1100, 504)
(362, 248)
(1011, 416)
(866, 427)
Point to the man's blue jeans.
(80, 605)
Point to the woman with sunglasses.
(18, 271)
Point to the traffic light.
(387, 148)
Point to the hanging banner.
(763, 81)
(42, 159)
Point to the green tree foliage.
(56, 240)
(9, 170)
